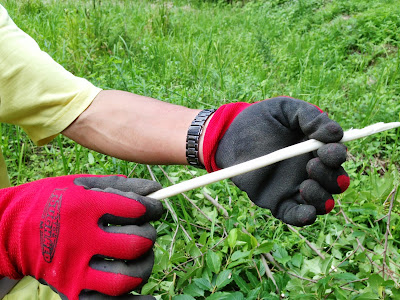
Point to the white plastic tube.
(266, 160)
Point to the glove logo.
(50, 224)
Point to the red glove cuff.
(219, 124)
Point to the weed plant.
(341, 55)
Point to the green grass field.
(342, 55)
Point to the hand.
(296, 189)
(85, 236)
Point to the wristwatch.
(193, 137)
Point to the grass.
(341, 55)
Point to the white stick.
(266, 160)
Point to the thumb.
(293, 213)
(316, 124)
(310, 119)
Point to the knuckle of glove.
(143, 187)
(139, 268)
(146, 231)
(315, 195)
(290, 212)
(333, 154)
(313, 122)
(324, 129)
(334, 180)
(154, 208)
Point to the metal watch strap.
(193, 136)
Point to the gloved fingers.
(126, 207)
(125, 246)
(111, 284)
(314, 194)
(138, 186)
(333, 154)
(313, 122)
(145, 230)
(92, 295)
(138, 268)
(333, 180)
(117, 277)
(131, 188)
(323, 129)
(293, 213)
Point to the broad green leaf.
(375, 281)
(283, 260)
(281, 255)
(312, 266)
(396, 293)
(183, 297)
(362, 257)
(232, 238)
(149, 287)
(268, 286)
(213, 262)
(241, 283)
(203, 283)
(295, 285)
(367, 296)
(322, 285)
(193, 290)
(184, 276)
(388, 283)
(306, 296)
(326, 265)
(238, 262)
(345, 276)
(224, 278)
(271, 297)
(358, 234)
(193, 250)
(253, 294)
(239, 254)
(264, 247)
(203, 238)
(340, 294)
(337, 254)
(297, 260)
(253, 279)
(226, 296)
(239, 238)
(281, 279)
(166, 285)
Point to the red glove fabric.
(296, 189)
(219, 124)
(57, 230)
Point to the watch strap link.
(193, 137)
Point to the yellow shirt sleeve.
(36, 93)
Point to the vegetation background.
(342, 55)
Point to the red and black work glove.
(87, 237)
(296, 189)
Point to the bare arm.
(134, 128)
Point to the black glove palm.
(296, 189)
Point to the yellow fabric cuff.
(29, 288)
(37, 93)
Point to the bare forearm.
(134, 128)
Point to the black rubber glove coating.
(270, 125)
